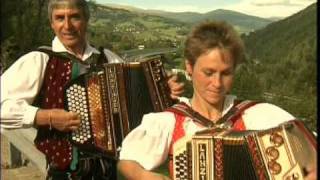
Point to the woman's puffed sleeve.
(148, 144)
(264, 116)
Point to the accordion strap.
(63, 55)
(97, 60)
(226, 121)
(101, 59)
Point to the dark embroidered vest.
(52, 143)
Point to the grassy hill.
(123, 30)
(242, 22)
(282, 56)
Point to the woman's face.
(212, 75)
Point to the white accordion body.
(282, 153)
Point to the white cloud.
(261, 8)
(281, 2)
(270, 2)
(275, 8)
(179, 8)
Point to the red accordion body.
(112, 101)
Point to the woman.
(212, 52)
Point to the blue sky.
(261, 8)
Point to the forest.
(281, 57)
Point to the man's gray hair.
(78, 4)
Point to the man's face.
(70, 27)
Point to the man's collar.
(57, 46)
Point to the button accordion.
(112, 101)
(278, 153)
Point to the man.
(32, 90)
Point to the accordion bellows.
(278, 153)
(112, 101)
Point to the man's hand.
(58, 118)
(176, 88)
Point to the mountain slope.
(283, 57)
(241, 21)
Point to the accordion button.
(274, 167)
(276, 139)
(272, 152)
(293, 176)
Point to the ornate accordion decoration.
(278, 153)
(113, 100)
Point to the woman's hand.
(132, 170)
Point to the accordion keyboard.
(181, 167)
(77, 103)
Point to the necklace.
(219, 123)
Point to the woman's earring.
(188, 76)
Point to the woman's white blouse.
(148, 144)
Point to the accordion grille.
(237, 162)
(96, 112)
(138, 97)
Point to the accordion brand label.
(202, 154)
(202, 150)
